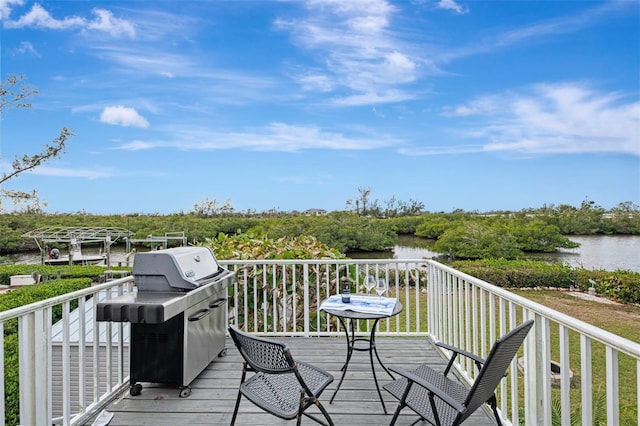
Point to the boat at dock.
(75, 257)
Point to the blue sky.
(292, 105)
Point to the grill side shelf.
(153, 307)
(125, 312)
(142, 308)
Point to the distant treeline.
(461, 234)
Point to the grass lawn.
(619, 319)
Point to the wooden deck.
(214, 392)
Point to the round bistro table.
(351, 317)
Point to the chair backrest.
(261, 354)
(494, 367)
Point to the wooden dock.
(214, 392)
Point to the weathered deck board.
(214, 392)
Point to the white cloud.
(567, 24)
(66, 172)
(275, 137)
(371, 98)
(441, 150)
(25, 48)
(354, 42)
(316, 82)
(106, 22)
(555, 118)
(399, 67)
(484, 105)
(137, 146)
(5, 7)
(452, 5)
(38, 17)
(123, 116)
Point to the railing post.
(585, 380)
(536, 406)
(33, 352)
(515, 402)
(613, 407)
(565, 378)
(82, 400)
(431, 302)
(305, 286)
(66, 364)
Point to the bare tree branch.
(13, 93)
(12, 98)
(30, 162)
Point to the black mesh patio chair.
(443, 401)
(280, 385)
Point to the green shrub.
(12, 396)
(519, 273)
(621, 285)
(48, 272)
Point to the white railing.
(69, 370)
(470, 313)
(282, 297)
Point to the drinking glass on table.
(381, 288)
(369, 283)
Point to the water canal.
(595, 252)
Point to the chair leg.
(324, 412)
(396, 414)
(402, 403)
(300, 407)
(494, 406)
(235, 411)
(434, 409)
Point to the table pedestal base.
(371, 348)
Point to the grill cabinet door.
(196, 345)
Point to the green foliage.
(473, 240)
(405, 225)
(590, 218)
(250, 246)
(34, 293)
(519, 273)
(621, 285)
(599, 411)
(434, 225)
(11, 371)
(344, 231)
(48, 272)
(271, 286)
(494, 236)
(463, 235)
(535, 235)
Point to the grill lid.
(175, 269)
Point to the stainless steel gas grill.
(177, 315)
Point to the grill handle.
(217, 303)
(199, 315)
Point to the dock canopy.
(75, 236)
